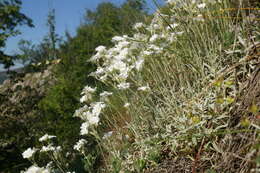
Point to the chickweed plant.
(171, 91)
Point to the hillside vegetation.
(44, 98)
(179, 92)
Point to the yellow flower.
(230, 100)
(195, 119)
(245, 122)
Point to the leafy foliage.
(19, 120)
(46, 50)
(10, 18)
(63, 99)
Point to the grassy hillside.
(179, 95)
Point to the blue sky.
(69, 14)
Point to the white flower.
(68, 154)
(199, 18)
(122, 76)
(155, 26)
(95, 57)
(126, 105)
(87, 94)
(139, 64)
(84, 98)
(172, 26)
(122, 44)
(139, 36)
(155, 48)
(143, 88)
(203, 5)
(36, 169)
(118, 65)
(97, 107)
(47, 148)
(100, 70)
(107, 135)
(49, 165)
(147, 52)
(58, 148)
(100, 49)
(29, 153)
(179, 33)
(172, 37)
(91, 117)
(154, 38)
(80, 111)
(88, 89)
(93, 120)
(138, 26)
(117, 38)
(79, 145)
(105, 94)
(123, 86)
(46, 137)
(84, 128)
(123, 54)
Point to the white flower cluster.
(119, 64)
(90, 115)
(29, 153)
(50, 147)
(36, 169)
(114, 60)
(87, 94)
(128, 55)
(79, 146)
